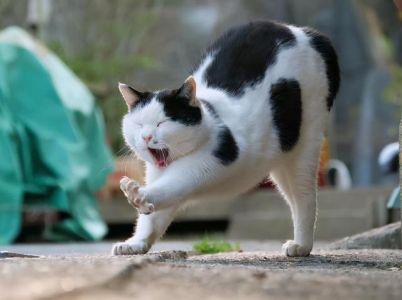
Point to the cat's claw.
(126, 248)
(290, 248)
(131, 190)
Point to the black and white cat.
(256, 104)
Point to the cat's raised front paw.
(290, 248)
(131, 190)
(126, 248)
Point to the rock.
(386, 237)
(6, 254)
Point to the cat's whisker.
(112, 159)
(132, 161)
(171, 151)
(164, 156)
(171, 147)
(127, 158)
(176, 150)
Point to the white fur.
(195, 174)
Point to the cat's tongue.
(160, 156)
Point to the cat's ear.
(130, 95)
(188, 90)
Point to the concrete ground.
(173, 271)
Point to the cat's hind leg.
(149, 229)
(296, 178)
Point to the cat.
(256, 104)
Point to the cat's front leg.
(132, 190)
(181, 181)
(150, 227)
(178, 183)
(148, 230)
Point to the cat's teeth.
(160, 156)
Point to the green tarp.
(52, 147)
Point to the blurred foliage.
(111, 52)
(94, 71)
(393, 93)
(386, 46)
(101, 77)
(210, 245)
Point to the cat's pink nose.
(147, 138)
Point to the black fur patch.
(286, 106)
(323, 45)
(244, 53)
(211, 109)
(146, 97)
(226, 151)
(178, 108)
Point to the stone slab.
(385, 237)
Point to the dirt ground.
(340, 274)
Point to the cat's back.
(242, 54)
(241, 57)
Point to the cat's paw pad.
(129, 186)
(131, 190)
(126, 248)
(290, 248)
(146, 208)
(141, 204)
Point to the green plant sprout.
(210, 245)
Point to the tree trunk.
(400, 173)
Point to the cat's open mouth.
(161, 157)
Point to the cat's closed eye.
(138, 124)
(160, 123)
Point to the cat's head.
(164, 125)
